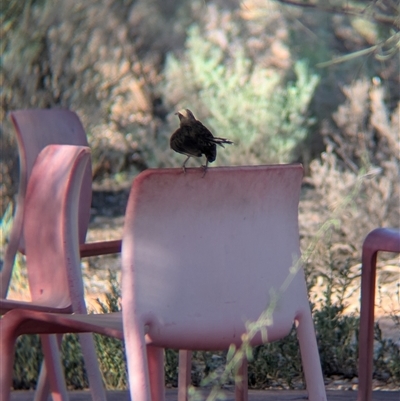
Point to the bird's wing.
(183, 140)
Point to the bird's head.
(185, 116)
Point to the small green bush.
(72, 358)
(252, 105)
(111, 351)
(277, 362)
(28, 358)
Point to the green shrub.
(387, 356)
(72, 358)
(111, 351)
(337, 336)
(252, 105)
(28, 358)
(277, 362)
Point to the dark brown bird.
(193, 139)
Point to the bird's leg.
(184, 165)
(205, 169)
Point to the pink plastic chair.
(378, 240)
(52, 287)
(36, 129)
(201, 257)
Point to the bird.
(193, 139)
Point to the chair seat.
(38, 322)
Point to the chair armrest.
(100, 248)
(382, 239)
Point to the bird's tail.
(221, 141)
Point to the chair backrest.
(37, 128)
(203, 256)
(50, 226)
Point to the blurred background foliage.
(309, 81)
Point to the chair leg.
(7, 351)
(185, 374)
(366, 336)
(43, 386)
(241, 382)
(54, 369)
(310, 357)
(155, 358)
(136, 354)
(92, 367)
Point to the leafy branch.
(392, 18)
